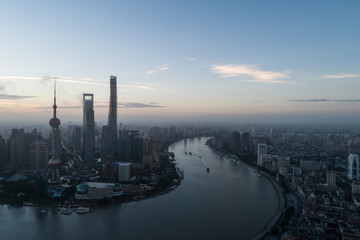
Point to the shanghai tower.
(112, 121)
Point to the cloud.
(120, 105)
(251, 71)
(158, 69)
(138, 105)
(21, 77)
(145, 87)
(61, 107)
(341, 75)
(5, 96)
(325, 100)
(86, 81)
(190, 59)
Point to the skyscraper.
(235, 141)
(112, 120)
(38, 154)
(88, 128)
(17, 150)
(55, 161)
(109, 138)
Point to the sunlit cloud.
(85, 81)
(341, 75)
(120, 105)
(325, 100)
(251, 71)
(158, 69)
(190, 59)
(145, 87)
(5, 96)
(138, 105)
(21, 77)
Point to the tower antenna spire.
(54, 106)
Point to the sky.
(232, 61)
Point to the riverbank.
(279, 191)
(25, 193)
(280, 211)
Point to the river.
(229, 202)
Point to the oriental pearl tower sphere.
(55, 161)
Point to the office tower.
(112, 120)
(245, 142)
(136, 149)
(17, 149)
(55, 161)
(155, 132)
(235, 141)
(353, 167)
(38, 154)
(172, 132)
(155, 149)
(127, 145)
(283, 161)
(76, 138)
(124, 171)
(261, 150)
(88, 129)
(165, 134)
(107, 142)
(109, 139)
(330, 177)
(3, 152)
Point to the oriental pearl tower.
(55, 161)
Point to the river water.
(229, 202)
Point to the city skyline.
(238, 61)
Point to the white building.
(265, 159)
(124, 171)
(262, 149)
(353, 167)
(97, 190)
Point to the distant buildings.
(88, 129)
